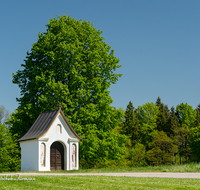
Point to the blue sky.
(157, 42)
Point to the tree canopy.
(72, 65)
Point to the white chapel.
(50, 144)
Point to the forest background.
(70, 64)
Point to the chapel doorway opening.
(57, 156)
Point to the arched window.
(58, 129)
(74, 161)
(42, 154)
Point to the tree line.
(151, 134)
(159, 135)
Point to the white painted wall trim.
(43, 139)
(73, 140)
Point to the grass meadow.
(99, 182)
(191, 167)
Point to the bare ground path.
(144, 174)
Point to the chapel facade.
(50, 144)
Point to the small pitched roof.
(43, 123)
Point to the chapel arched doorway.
(57, 156)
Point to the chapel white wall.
(29, 155)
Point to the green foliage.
(195, 142)
(102, 147)
(161, 149)
(163, 117)
(147, 115)
(178, 128)
(129, 119)
(9, 151)
(120, 128)
(182, 140)
(173, 121)
(99, 163)
(138, 155)
(70, 64)
(186, 115)
(197, 121)
(131, 124)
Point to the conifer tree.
(163, 117)
(173, 121)
(131, 124)
(129, 119)
(158, 102)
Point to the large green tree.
(70, 64)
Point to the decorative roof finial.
(60, 106)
